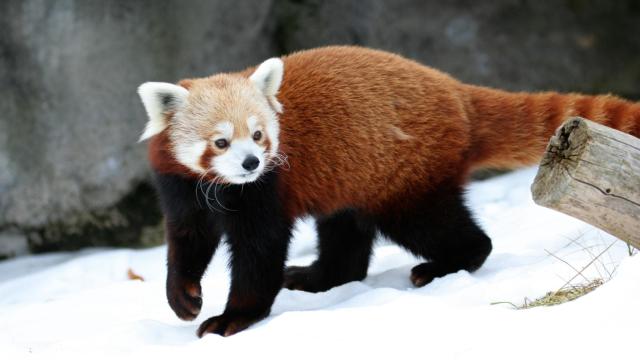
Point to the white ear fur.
(268, 78)
(158, 98)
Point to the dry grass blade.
(569, 292)
(561, 296)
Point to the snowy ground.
(81, 305)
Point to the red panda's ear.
(268, 78)
(159, 99)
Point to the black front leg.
(193, 235)
(258, 234)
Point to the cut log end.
(561, 156)
(592, 172)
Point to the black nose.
(250, 163)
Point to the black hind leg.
(344, 245)
(439, 228)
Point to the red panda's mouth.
(244, 177)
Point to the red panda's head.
(224, 126)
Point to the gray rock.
(70, 117)
(580, 45)
(12, 243)
(71, 172)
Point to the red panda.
(363, 140)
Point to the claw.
(226, 324)
(184, 297)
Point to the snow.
(81, 305)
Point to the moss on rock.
(135, 221)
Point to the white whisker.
(215, 194)
(275, 160)
(213, 183)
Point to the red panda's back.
(364, 128)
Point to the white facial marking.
(159, 98)
(190, 154)
(229, 164)
(224, 130)
(252, 124)
(273, 132)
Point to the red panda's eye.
(222, 143)
(257, 135)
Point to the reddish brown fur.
(513, 129)
(372, 129)
(208, 154)
(161, 156)
(162, 160)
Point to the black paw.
(305, 278)
(227, 324)
(424, 273)
(184, 296)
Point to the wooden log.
(592, 172)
